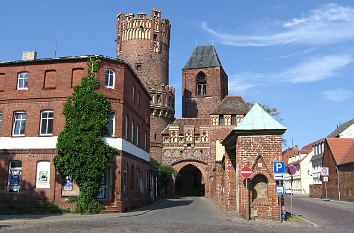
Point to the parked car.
(288, 191)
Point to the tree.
(81, 152)
(274, 112)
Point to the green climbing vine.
(81, 152)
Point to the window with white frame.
(111, 124)
(22, 81)
(109, 78)
(47, 117)
(19, 124)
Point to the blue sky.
(296, 56)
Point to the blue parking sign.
(279, 167)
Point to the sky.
(296, 56)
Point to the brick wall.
(216, 90)
(258, 152)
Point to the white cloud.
(316, 68)
(329, 23)
(312, 70)
(337, 95)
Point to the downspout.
(338, 183)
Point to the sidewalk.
(45, 218)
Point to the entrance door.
(189, 182)
(105, 192)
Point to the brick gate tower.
(144, 42)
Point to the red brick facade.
(143, 42)
(129, 101)
(197, 106)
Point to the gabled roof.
(342, 149)
(340, 129)
(308, 148)
(258, 119)
(203, 56)
(290, 152)
(231, 105)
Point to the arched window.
(109, 78)
(201, 84)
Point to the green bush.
(81, 152)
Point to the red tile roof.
(342, 149)
(289, 153)
(308, 148)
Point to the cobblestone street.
(193, 214)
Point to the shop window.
(15, 177)
(46, 127)
(43, 174)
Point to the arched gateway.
(190, 179)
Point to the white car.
(288, 191)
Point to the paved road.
(192, 214)
(328, 214)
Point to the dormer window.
(201, 84)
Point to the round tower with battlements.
(143, 42)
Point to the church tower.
(204, 83)
(143, 42)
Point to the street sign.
(291, 170)
(246, 172)
(324, 171)
(279, 170)
(279, 176)
(279, 190)
(279, 167)
(325, 179)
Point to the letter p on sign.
(279, 167)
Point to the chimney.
(29, 55)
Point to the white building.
(301, 180)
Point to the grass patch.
(12, 209)
(293, 218)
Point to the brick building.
(201, 146)
(339, 158)
(144, 42)
(32, 94)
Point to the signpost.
(279, 175)
(325, 174)
(292, 171)
(246, 173)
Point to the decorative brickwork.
(144, 42)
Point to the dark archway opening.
(189, 182)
